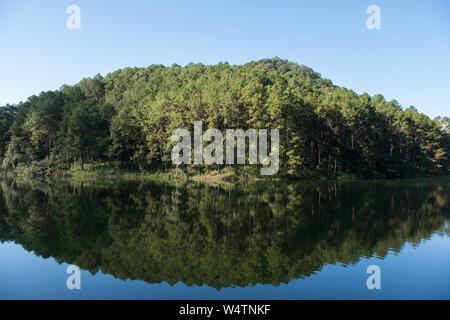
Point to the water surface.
(297, 240)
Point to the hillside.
(127, 117)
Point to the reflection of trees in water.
(220, 235)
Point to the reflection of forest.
(219, 236)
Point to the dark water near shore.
(299, 240)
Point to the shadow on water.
(221, 236)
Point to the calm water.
(304, 240)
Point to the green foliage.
(130, 114)
(6, 121)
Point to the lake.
(259, 240)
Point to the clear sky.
(408, 59)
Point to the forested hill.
(127, 118)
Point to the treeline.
(127, 117)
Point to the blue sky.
(408, 59)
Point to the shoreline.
(225, 176)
